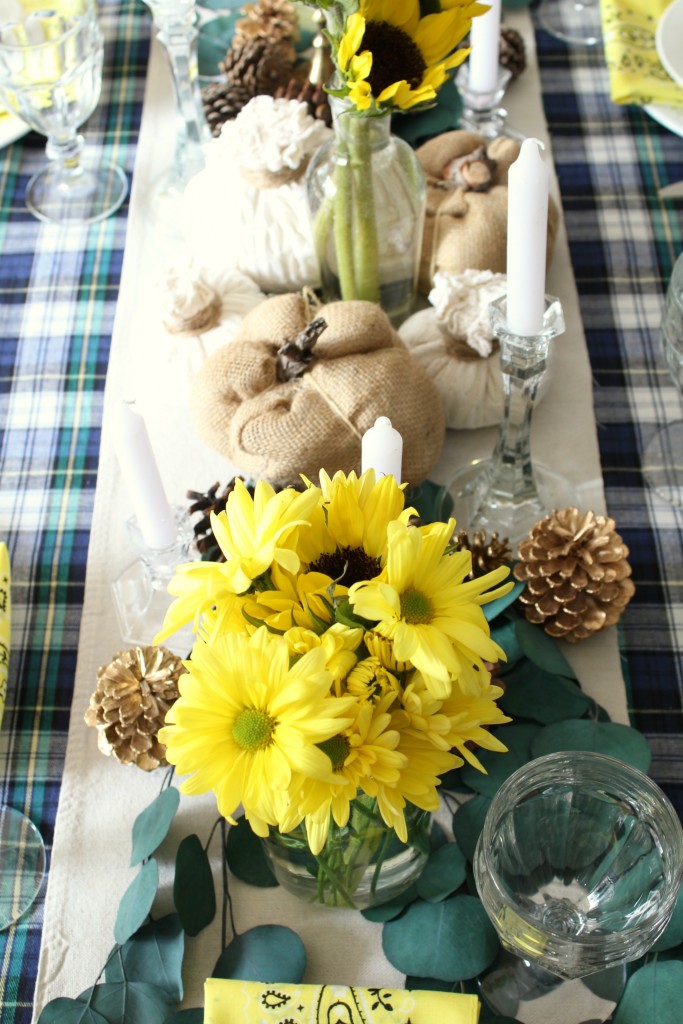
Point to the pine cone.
(223, 102)
(134, 692)
(487, 554)
(272, 20)
(512, 52)
(259, 66)
(314, 96)
(576, 573)
(206, 503)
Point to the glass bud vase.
(362, 864)
(366, 193)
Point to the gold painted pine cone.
(134, 692)
(577, 575)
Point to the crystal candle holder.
(509, 492)
(481, 111)
(141, 597)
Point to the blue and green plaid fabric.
(58, 291)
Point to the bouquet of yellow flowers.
(341, 667)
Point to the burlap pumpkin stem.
(134, 692)
(294, 357)
(488, 553)
(577, 575)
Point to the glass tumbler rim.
(89, 13)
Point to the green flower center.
(347, 565)
(337, 749)
(395, 56)
(253, 729)
(415, 607)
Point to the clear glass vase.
(362, 864)
(366, 192)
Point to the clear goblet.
(578, 866)
(663, 458)
(50, 76)
(576, 22)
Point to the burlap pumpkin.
(466, 230)
(277, 430)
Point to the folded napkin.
(636, 73)
(250, 1002)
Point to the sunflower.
(433, 617)
(246, 722)
(390, 54)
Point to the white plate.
(11, 129)
(669, 40)
(668, 117)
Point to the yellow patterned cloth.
(636, 73)
(250, 1002)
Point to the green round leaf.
(451, 940)
(392, 908)
(213, 39)
(246, 858)
(494, 608)
(542, 649)
(414, 984)
(137, 902)
(505, 635)
(432, 502)
(609, 738)
(193, 889)
(151, 826)
(269, 953)
(443, 873)
(652, 993)
(437, 836)
(130, 1002)
(673, 933)
(154, 954)
(468, 821)
(536, 694)
(69, 1011)
(517, 738)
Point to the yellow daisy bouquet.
(389, 55)
(341, 667)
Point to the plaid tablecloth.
(58, 292)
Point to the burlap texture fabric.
(467, 230)
(276, 430)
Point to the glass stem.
(67, 153)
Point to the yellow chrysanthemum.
(369, 680)
(339, 644)
(423, 604)
(246, 722)
(405, 58)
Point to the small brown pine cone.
(134, 692)
(512, 52)
(222, 102)
(577, 575)
(488, 553)
(314, 96)
(259, 66)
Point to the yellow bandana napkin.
(636, 73)
(250, 1002)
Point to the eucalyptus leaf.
(194, 894)
(130, 1002)
(652, 993)
(137, 901)
(451, 940)
(213, 39)
(415, 984)
(609, 738)
(269, 953)
(541, 696)
(494, 608)
(517, 737)
(505, 635)
(442, 116)
(468, 821)
(392, 908)
(69, 1011)
(542, 649)
(672, 935)
(443, 873)
(246, 857)
(437, 837)
(151, 826)
(432, 501)
(154, 954)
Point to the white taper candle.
(485, 43)
(527, 226)
(142, 478)
(382, 449)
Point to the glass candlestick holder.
(141, 597)
(174, 21)
(509, 492)
(481, 111)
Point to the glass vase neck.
(349, 124)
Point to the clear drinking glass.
(50, 75)
(663, 458)
(576, 22)
(578, 866)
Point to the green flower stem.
(365, 248)
(343, 226)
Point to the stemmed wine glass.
(578, 866)
(576, 22)
(50, 76)
(663, 458)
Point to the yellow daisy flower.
(246, 722)
(433, 617)
(404, 58)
